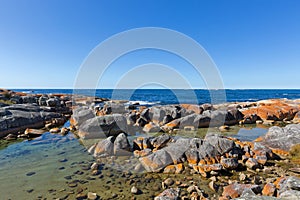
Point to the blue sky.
(254, 43)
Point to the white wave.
(142, 103)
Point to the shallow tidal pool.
(58, 167)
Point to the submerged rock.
(92, 196)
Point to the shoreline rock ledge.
(19, 111)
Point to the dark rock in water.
(103, 126)
(30, 190)
(168, 194)
(282, 138)
(68, 177)
(30, 173)
(121, 145)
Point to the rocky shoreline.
(266, 168)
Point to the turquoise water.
(30, 169)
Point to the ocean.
(175, 96)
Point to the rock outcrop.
(282, 139)
(103, 126)
(17, 117)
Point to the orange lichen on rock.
(171, 125)
(195, 108)
(200, 170)
(280, 152)
(235, 190)
(269, 190)
(259, 139)
(274, 109)
(279, 181)
(177, 169)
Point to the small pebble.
(68, 177)
(114, 195)
(81, 196)
(30, 173)
(30, 190)
(92, 196)
(72, 184)
(134, 190)
(169, 182)
(63, 160)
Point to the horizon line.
(152, 88)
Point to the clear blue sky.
(254, 43)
